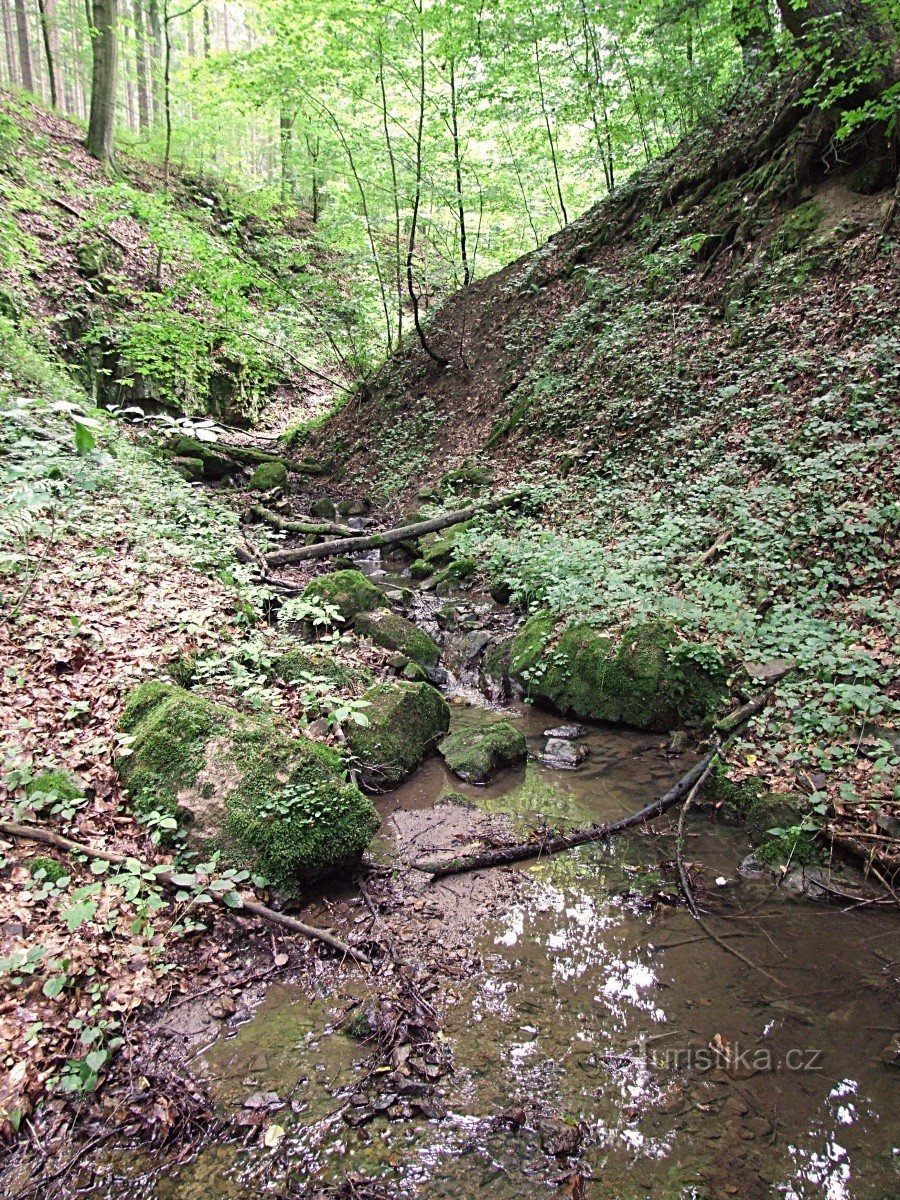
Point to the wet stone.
(568, 732)
(562, 755)
(558, 1138)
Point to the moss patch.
(48, 868)
(396, 633)
(269, 475)
(349, 591)
(405, 721)
(215, 465)
(478, 753)
(243, 784)
(62, 784)
(294, 664)
(636, 678)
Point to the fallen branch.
(261, 513)
(389, 537)
(522, 851)
(35, 834)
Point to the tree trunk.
(553, 155)
(457, 164)
(101, 123)
(395, 188)
(142, 71)
(846, 34)
(26, 72)
(50, 37)
(286, 136)
(154, 25)
(9, 39)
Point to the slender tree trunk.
(26, 72)
(395, 189)
(141, 66)
(154, 28)
(76, 52)
(9, 39)
(101, 123)
(457, 163)
(417, 202)
(521, 183)
(312, 149)
(50, 37)
(551, 142)
(286, 135)
(207, 31)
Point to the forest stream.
(597, 1040)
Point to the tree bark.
(389, 537)
(50, 37)
(26, 71)
(142, 68)
(101, 123)
(457, 164)
(9, 39)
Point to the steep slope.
(699, 379)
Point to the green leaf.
(54, 986)
(233, 900)
(78, 914)
(96, 1060)
(84, 439)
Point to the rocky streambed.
(563, 1028)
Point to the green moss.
(396, 633)
(349, 591)
(52, 870)
(190, 469)
(420, 569)
(170, 728)
(413, 672)
(295, 664)
(467, 478)
(293, 809)
(797, 226)
(215, 465)
(741, 798)
(636, 679)
(62, 784)
(437, 548)
(243, 784)
(323, 508)
(478, 753)
(269, 475)
(405, 721)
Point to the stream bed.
(601, 1044)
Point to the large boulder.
(348, 591)
(405, 720)
(269, 475)
(644, 676)
(242, 784)
(396, 633)
(476, 754)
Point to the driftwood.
(388, 537)
(522, 851)
(261, 513)
(35, 834)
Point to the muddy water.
(602, 1045)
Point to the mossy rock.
(323, 508)
(61, 784)
(467, 478)
(797, 226)
(190, 469)
(495, 667)
(636, 678)
(269, 475)
(349, 591)
(478, 753)
(396, 633)
(437, 548)
(354, 508)
(296, 663)
(97, 258)
(405, 721)
(215, 465)
(413, 672)
(243, 784)
(420, 569)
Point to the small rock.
(679, 741)
(354, 1117)
(890, 1055)
(562, 755)
(558, 1138)
(223, 1006)
(569, 732)
(430, 1108)
(268, 1101)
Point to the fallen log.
(522, 851)
(35, 834)
(388, 537)
(283, 525)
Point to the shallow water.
(588, 1026)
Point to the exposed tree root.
(283, 525)
(35, 834)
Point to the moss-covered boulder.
(269, 475)
(242, 784)
(348, 591)
(386, 629)
(60, 784)
(495, 666)
(405, 720)
(190, 469)
(478, 753)
(297, 664)
(323, 508)
(436, 549)
(215, 464)
(644, 676)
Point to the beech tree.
(105, 51)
